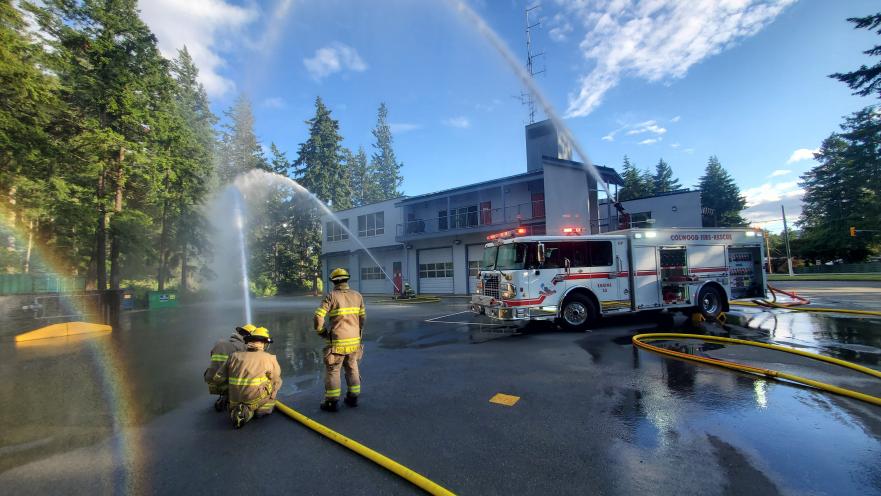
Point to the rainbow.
(117, 391)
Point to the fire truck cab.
(575, 279)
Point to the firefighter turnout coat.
(220, 353)
(254, 378)
(345, 309)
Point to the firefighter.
(254, 378)
(345, 308)
(219, 355)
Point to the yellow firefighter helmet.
(339, 275)
(246, 329)
(259, 334)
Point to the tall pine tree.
(362, 183)
(865, 80)
(720, 193)
(663, 180)
(637, 184)
(240, 151)
(385, 170)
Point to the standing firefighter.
(254, 378)
(220, 353)
(345, 308)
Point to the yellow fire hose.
(805, 309)
(639, 340)
(417, 479)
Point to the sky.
(745, 80)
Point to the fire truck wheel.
(578, 313)
(709, 302)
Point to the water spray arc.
(493, 38)
(240, 227)
(259, 177)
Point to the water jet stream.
(240, 226)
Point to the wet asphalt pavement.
(128, 412)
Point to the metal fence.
(852, 268)
(11, 284)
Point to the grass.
(826, 277)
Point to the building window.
(371, 274)
(435, 270)
(442, 220)
(473, 268)
(335, 232)
(371, 225)
(463, 217)
(640, 219)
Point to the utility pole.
(786, 239)
(768, 250)
(525, 96)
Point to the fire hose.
(795, 304)
(640, 341)
(417, 479)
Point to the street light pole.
(786, 238)
(768, 250)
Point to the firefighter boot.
(351, 400)
(329, 405)
(222, 403)
(240, 415)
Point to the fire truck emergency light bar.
(520, 231)
(573, 230)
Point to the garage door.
(475, 255)
(373, 281)
(436, 271)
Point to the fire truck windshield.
(512, 256)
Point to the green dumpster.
(162, 299)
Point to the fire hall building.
(435, 241)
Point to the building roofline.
(658, 195)
(608, 174)
(469, 186)
(397, 198)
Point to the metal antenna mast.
(525, 96)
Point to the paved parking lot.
(595, 415)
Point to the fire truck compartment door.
(645, 277)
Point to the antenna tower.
(525, 96)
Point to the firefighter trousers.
(333, 362)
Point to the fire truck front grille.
(491, 286)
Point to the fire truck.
(574, 279)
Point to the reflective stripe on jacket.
(252, 375)
(344, 307)
(220, 353)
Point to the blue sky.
(679, 79)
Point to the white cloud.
(274, 102)
(336, 57)
(675, 145)
(656, 40)
(202, 26)
(772, 192)
(688, 150)
(763, 202)
(608, 137)
(649, 141)
(779, 172)
(561, 28)
(646, 127)
(460, 122)
(802, 154)
(404, 127)
(676, 119)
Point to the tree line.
(844, 189)
(108, 152)
(720, 196)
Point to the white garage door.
(475, 255)
(436, 271)
(373, 281)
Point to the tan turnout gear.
(344, 308)
(220, 353)
(254, 378)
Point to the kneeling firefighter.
(254, 378)
(345, 309)
(219, 355)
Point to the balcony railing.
(474, 220)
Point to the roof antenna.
(526, 97)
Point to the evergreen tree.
(240, 150)
(637, 184)
(663, 180)
(720, 193)
(385, 170)
(362, 185)
(865, 80)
